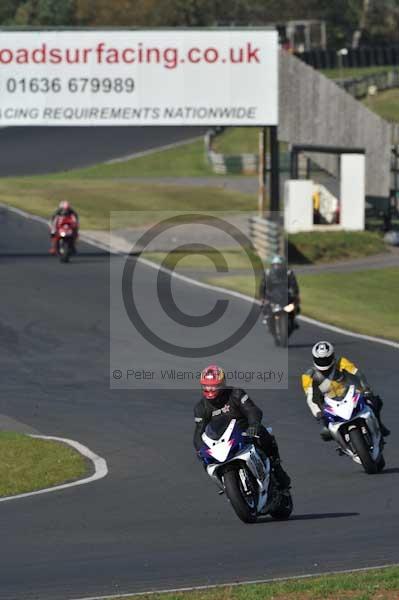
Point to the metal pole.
(294, 163)
(262, 173)
(396, 150)
(275, 170)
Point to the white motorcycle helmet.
(323, 356)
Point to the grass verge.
(307, 248)
(187, 160)
(361, 301)
(204, 260)
(238, 140)
(377, 584)
(385, 104)
(28, 464)
(319, 247)
(95, 198)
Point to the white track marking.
(238, 583)
(100, 469)
(208, 286)
(152, 150)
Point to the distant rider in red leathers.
(64, 210)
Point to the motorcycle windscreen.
(218, 426)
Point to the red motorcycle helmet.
(213, 381)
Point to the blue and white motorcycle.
(354, 426)
(243, 472)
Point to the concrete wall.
(314, 110)
(352, 191)
(298, 205)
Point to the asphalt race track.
(38, 150)
(156, 521)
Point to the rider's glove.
(253, 431)
(198, 455)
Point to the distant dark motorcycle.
(281, 313)
(66, 234)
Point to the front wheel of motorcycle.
(381, 463)
(64, 250)
(244, 503)
(281, 328)
(359, 445)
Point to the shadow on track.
(311, 517)
(315, 516)
(389, 471)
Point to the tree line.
(349, 22)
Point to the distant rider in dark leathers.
(328, 375)
(218, 401)
(279, 285)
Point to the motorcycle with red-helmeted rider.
(64, 229)
(239, 453)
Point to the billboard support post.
(262, 172)
(274, 170)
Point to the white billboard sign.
(139, 77)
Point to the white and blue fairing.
(352, 407)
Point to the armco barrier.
(266, 236)
(360, 87)
(223, 163)
(242, 163)
(247, 164)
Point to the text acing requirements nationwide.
(128, 114)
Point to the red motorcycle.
(66, 234)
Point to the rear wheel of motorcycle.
(284, 508)
(359, 445)
(244, 507)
